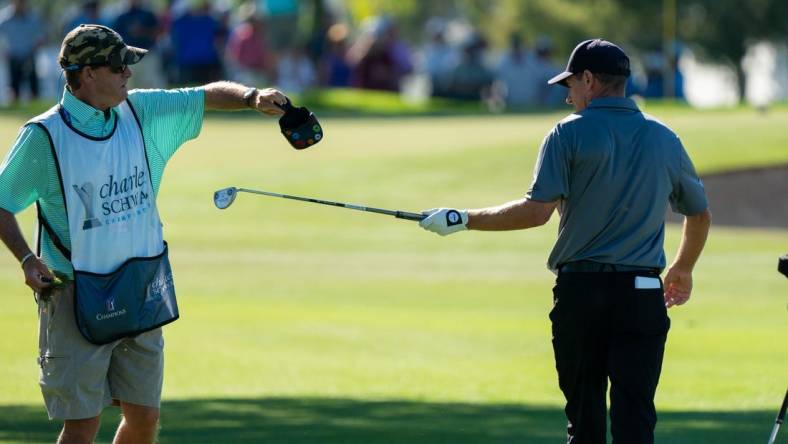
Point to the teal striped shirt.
(28, 174)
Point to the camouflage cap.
(96, 45)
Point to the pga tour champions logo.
(109, 304)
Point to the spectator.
(378, 61)
(375, 69)
(655, 66)
(139, 27)
(399, 50)
(89, 13)
(471, 79)
(517, 72)
(281, 20)
(20, 29)
(546, 69)
(246, 54)
(318, 43)
(295, 72)
(439, 57)
(223, 16)
(334, 68)
(196, 36)
(168, 64)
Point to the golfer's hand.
(37, 275)
(267, 100)
(445, 220)
(678, 286)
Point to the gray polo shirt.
(614, 169)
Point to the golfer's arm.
(224, 95)
(12, 236)
(514, 215)
(693, 239)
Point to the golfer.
(611, 172)
(93, 165)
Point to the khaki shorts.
(79, 379)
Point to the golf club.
(782, 267)
(224, 198)
(779, 420)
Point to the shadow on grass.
(327, 421)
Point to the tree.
(723, 29)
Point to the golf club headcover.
(300, 126)
(782, 265)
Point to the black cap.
(596, 55)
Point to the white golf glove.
(444, 220)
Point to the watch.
(249, 96)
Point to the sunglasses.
(113, 69)
(117, 69)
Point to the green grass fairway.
(303, 323)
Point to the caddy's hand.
(445, 220)
(266, 101)
(37, 274)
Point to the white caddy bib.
(122, 277)
(108, 192)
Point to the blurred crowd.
(258, 42)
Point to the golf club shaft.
(395, 213)
(779, 420)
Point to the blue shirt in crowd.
(137, 26)
(194, 37)
(20, 32)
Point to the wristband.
(249, 95)
(25, 258)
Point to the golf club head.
(224, 198)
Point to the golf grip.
(410, 216)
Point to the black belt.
(598, 267)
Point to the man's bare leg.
(138, 425)
(79, 431)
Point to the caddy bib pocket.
(137, 297)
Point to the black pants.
(23, 70)
(604, 328)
